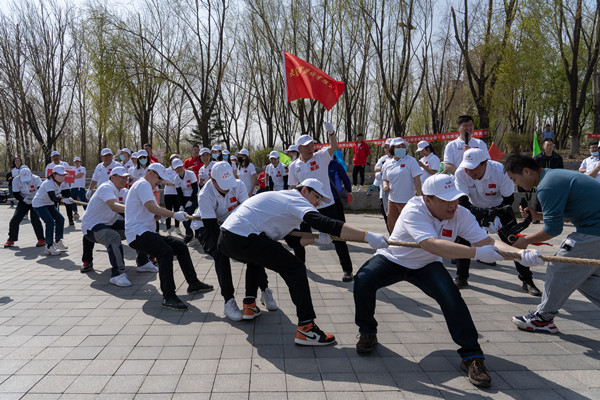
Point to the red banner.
(70, 178)
(593, 135)
(437, 137)
(305, 81)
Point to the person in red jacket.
(361, 151)
(193, 163)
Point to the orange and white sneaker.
(309, 334)
(250, 310)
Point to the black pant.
(171, 203)
(463, 264)
(68, 207)
(259, 250)
(358, 169)
(209, 240)
(164, 248)
(341, 248)
(20, 213)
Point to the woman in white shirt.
(44, 205)
(401, 177)
(170, 192)
(138, 171)
(429, 162)
(78, 187)
(207, 164)
(247, 171)
(186, 185)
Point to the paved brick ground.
(72, 336)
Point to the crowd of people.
(449, 209)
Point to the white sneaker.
(120, 280)
(60, 246)
(232, 311)
(266, 297)
(193, 243)
(360, 188)
(148, 267)
(76, 216)
(52, 251)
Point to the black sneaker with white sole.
(174, 303)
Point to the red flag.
(305, 81)
(495, 153)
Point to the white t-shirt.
(453, 153)
(589, 164)
(102, 173)
(432, 161)
(137, 173)
(51, 166)
(185, 183)
(79, 182)
(204, 172)
(212, 204)
(128, 164)
(274, 213)
(401, 173)
(417, 224)
(170, 190)
(137, 217)
(245, 175)
(97, 211)
(276, 173)
(41, 197)
(489, 190)
(317, 167)
(27, 191)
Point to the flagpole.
(287, 108)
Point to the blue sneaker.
(533, 322)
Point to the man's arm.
(115, 206)
(158, 210)
(333, 142)
(539, 236)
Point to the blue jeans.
(434, 280)
(50, 215)
(78, 194)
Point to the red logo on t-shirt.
(447, 232)
(234, 202)
(402, 165)
(120, 199)
(492, 185)
(314, 166)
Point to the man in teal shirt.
(563, 194)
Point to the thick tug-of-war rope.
(508, 255)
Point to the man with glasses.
(251, 232)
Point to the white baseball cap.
(274, 154)
(120, 171)
(222, 173)
(159, 169)
(25, 174)
(245, 152)
(398, 141)
(422, 144)
(226, 152)
(142, 153)
(216, 147)
(387, 142)
(473, 157)
(54, 153)
(172, 156)
(134, 154)
(204, 150)
(59, 169)
(292, 148)
(441, 186)
(126, 150)
(305, 140)
(77, 159)
(106, 151)
(177, 163)
(316, 185)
